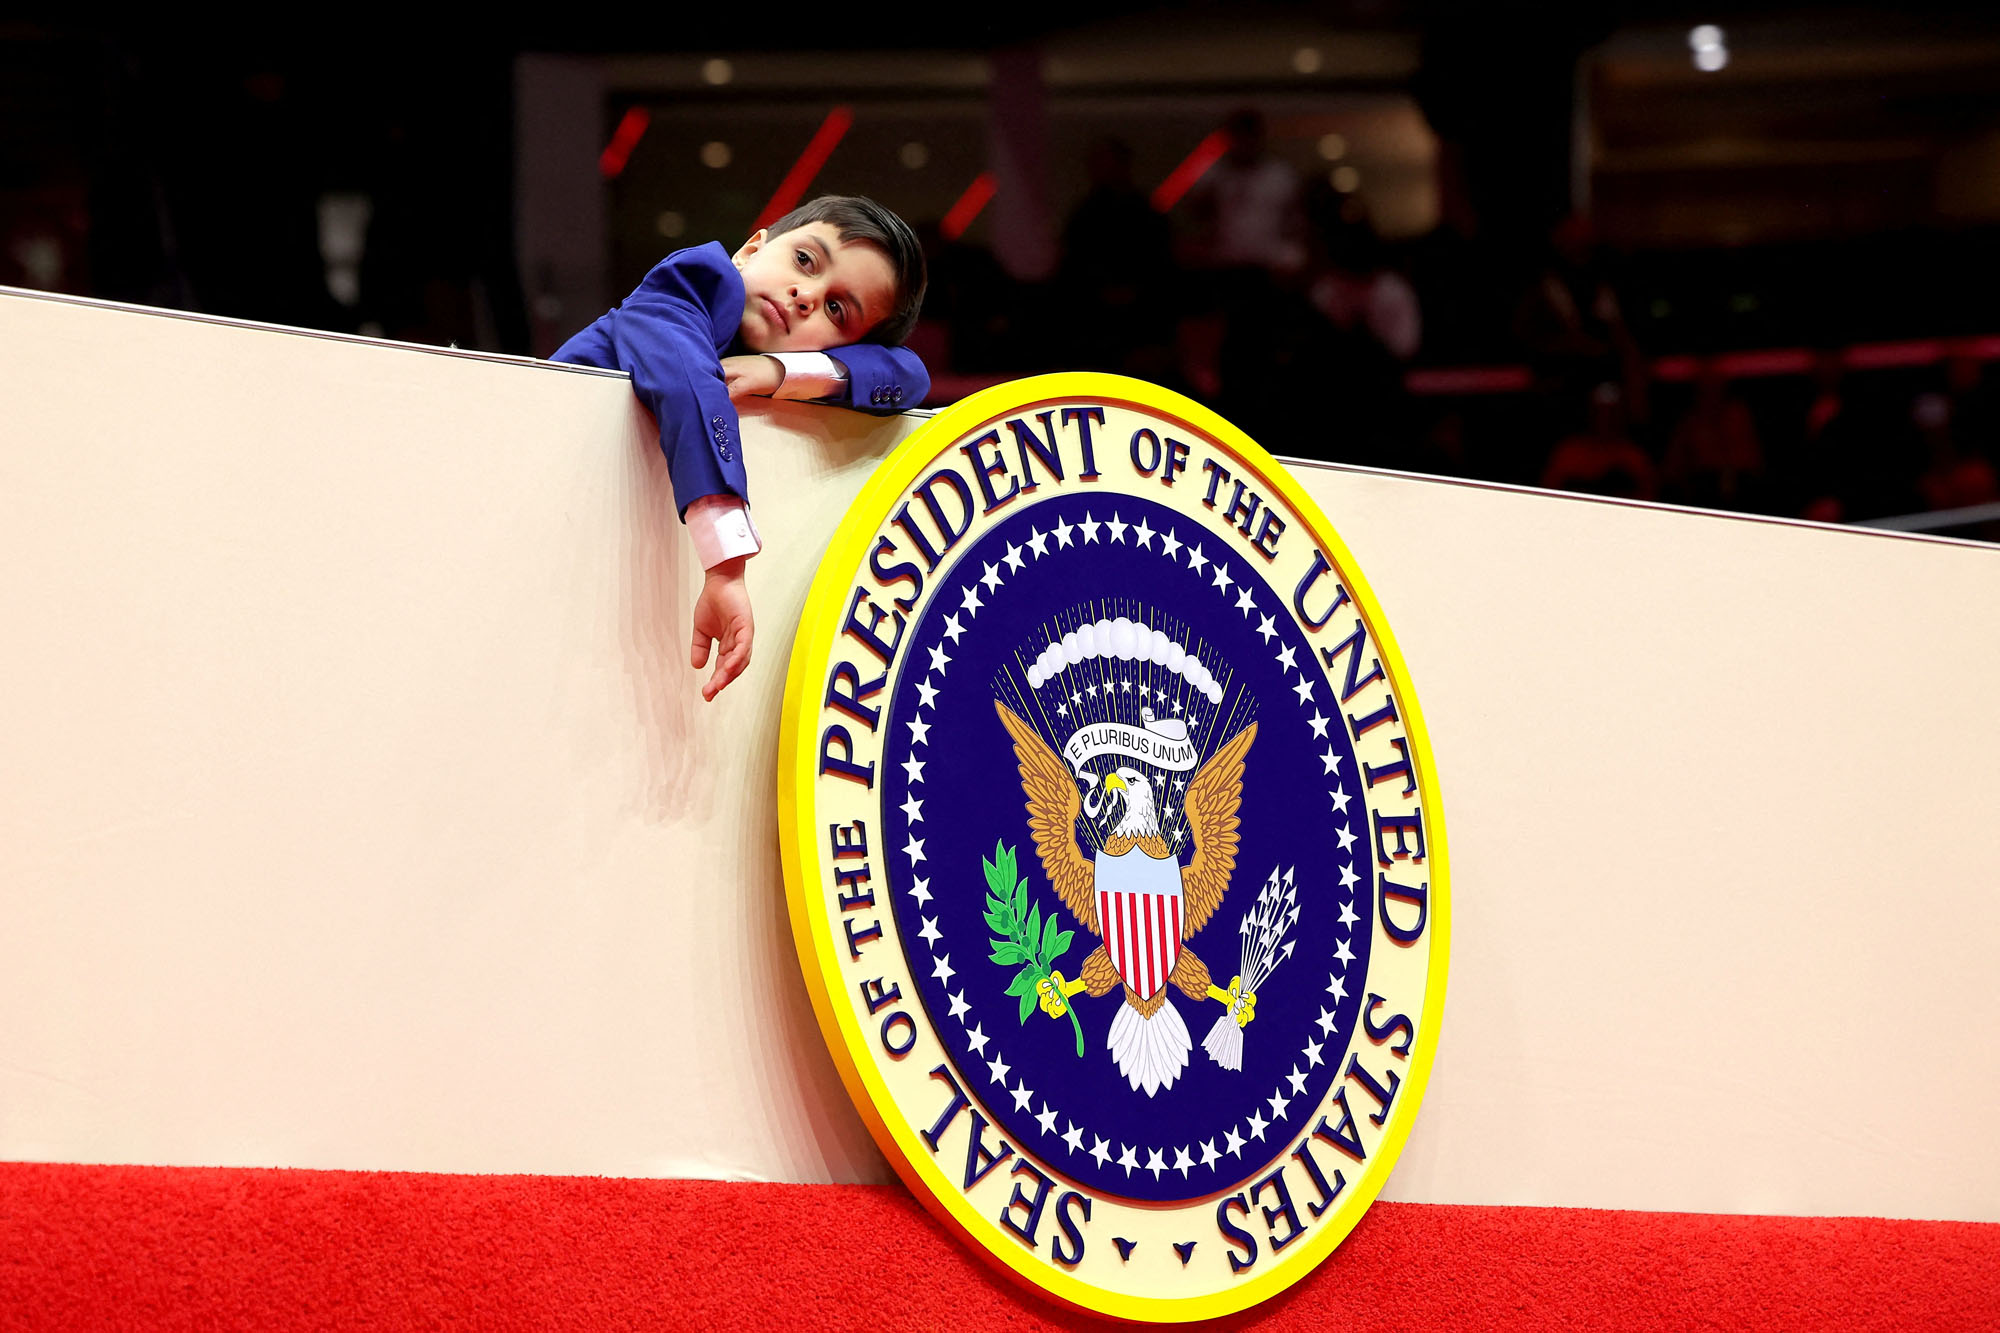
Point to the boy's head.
(841, 269)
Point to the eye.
(837, 310)
(805, 259)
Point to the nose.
(804, 298)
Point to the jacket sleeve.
(665, 336)
(882, 379)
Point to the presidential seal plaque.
(1113, 847)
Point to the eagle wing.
(1211, 805)
(1053, 805)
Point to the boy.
(839, 272)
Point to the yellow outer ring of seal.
(804, 869)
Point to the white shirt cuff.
(810, 375)
(722, 529)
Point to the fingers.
(729, 663)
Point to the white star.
(1101, 1150)
(1318, 723)
(1340, 799)
(1244, 601)
(930, 933)
(913, 809)
(1343, 953)
(1182, 1161)
(1338, 990)
(1347, 917)
(1013, 558)
(920, 731)
(998, 1068)
(1278, 1104)
(1090, 690)
(942, 968)
(1313, 1049)
(1196, 559)
(1075, 697)
(1180, 836)
(1169, 544)
(1346, 835)
(1090, 526)
(927, 693)
(1022, 1096)
(1062, 710)
(1128, 1159)
(1208, 1152)
(1142, 534)
(952, 628)
(1222, 579)
(976, 1039)
(969, 602)
(1304, 689)
(1326, 1018)
(1288, 658)
(914, 849)
(1046, 1119)
(1330, 759)
(1063, 531)
(1258, 1124)
(958, 1004)
(1156, 1162)
(1348, 879)
(921, 891)
(1266, 629)
(1073, 1137)
(1126, 685)
(939, 661)
(991, 578)
(1038, 542)
(1297, 1080)
(1233, 1141)
(1177, 705)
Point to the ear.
(750, 247)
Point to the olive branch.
(1030, 941)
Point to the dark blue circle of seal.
(952, 795)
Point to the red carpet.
(163, 1248)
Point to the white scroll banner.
(1099, 738)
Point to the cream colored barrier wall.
(357, 807)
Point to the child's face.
(808, 290)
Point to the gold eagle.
(1148, 1038)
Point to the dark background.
(1832, 188)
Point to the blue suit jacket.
(670, 335)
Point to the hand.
(722, 620)
(756, 376)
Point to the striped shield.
(1139, 913)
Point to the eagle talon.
(1241, 1006)
(1054, 991)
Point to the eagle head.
(1141, 818)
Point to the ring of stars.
(1216, 575)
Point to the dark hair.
(855, 218)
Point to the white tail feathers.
(1224, 1042)
(1151, 1052)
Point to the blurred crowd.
(1273, 299)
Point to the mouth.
(775, 313)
